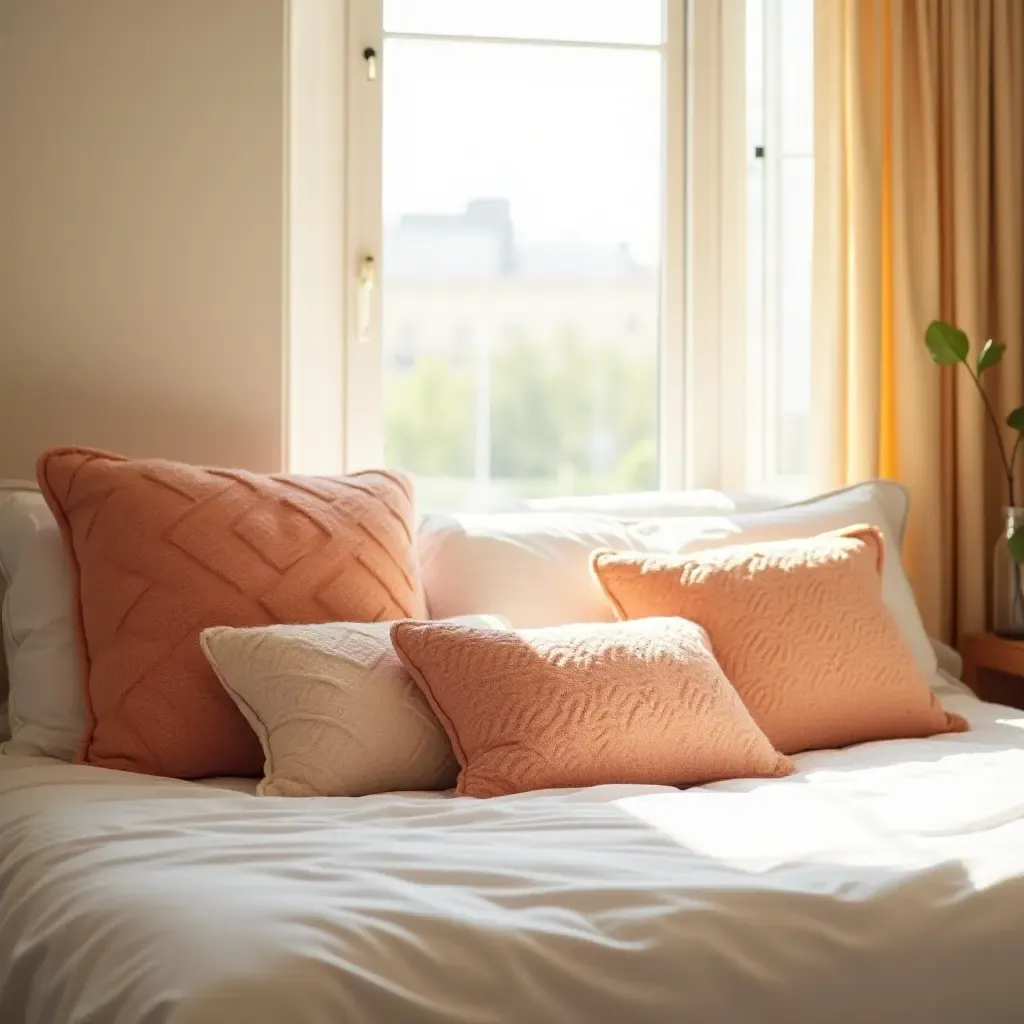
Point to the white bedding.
(881, 883)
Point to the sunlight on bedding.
(767, 900)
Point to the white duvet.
(881, 883)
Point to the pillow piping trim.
(421, 681)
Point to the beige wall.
(316, 252)
(143, 303)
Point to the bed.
(884, 882)
(880, 882)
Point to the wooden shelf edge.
(988, 651)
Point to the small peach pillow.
(161, 550)
(799, 628)
(630, 702)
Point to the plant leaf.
(1015, 421)
(947, 344)
(1015, 543)
(990, 355)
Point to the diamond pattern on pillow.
(161, 550)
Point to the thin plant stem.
(1007, 463)
(1017, 617)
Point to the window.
(780, 196)
(400, 350)
(532, 182)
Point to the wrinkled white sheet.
(882, 883)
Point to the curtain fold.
(919, 215)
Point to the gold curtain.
(919, 215)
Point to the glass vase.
(1008, 580)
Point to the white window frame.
(711, 411)
(763, 360)
(716, 282)
(363, 444)
(764, 402)
(734, 385)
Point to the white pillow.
(892, 498)
(12, 531)
(951, 670)
(46, 709)
(534, 568)
(333, 707)
(655, 504)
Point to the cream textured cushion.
(334, 710)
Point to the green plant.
(949, 346)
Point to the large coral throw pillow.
(582, 705)
(799, 628)
(160, 550)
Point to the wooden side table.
(994, 668)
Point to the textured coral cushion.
(801, 631)
(333, 707)
(161, 550)
(582, 705)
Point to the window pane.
(797, 74)
(780, 198)
(795, 220)
(756, 214)
(521, 269)
(794, 400)
(598, 21)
